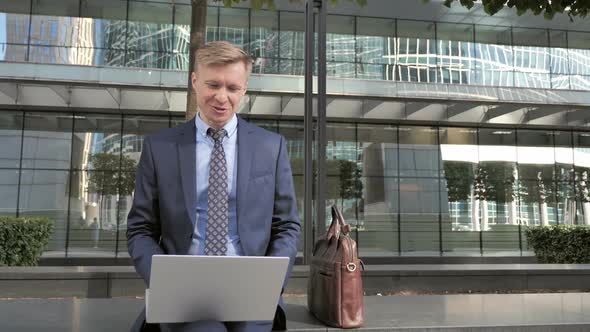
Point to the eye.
(212, 85)
(234, 89)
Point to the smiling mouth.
(219, 109)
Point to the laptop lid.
(186, 288)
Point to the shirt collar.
(230, 127)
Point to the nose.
(221, 96)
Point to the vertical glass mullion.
(27, 59)
(70, 174)
(20, 163)
(399, 214)
(118, 208)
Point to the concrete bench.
(566, 312)
(117, 281)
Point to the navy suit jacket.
(162, 218)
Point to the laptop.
(186, 288)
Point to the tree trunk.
(474, 213)
(484, 215)
(586, 209)
(198, 35)
(512, 214)
(543, 211)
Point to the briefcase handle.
(338, 225)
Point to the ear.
(194, 79)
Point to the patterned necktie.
(217, 207)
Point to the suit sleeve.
(285, 227)
(143, 221)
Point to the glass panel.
(375, 40)
(497, 188)
(105, 57)
(97, 142)
(456, 52)
(565, 195)
(579, 82)
(15, 53)
(375, 72)
(182, 32)
(531, 58)
(416, 51)
(53, 55)
(494, 56)
(264, 34)
(14, 28)
(107, 9)
(45, 194)
(582, 168)
(378, 150)
(378, 210)
(93, 213)
(377, 230)
(47, 140)
(134, 129)
(558, 52)
(341, 69)
(17, 7)
(11, 124)
(340, 43)
(266, 66)
(126, 188)
(459, 154)
(294, 137)
(419, 213)
(291, 38)
(59, 8)
(8, 191)
(418, 152)
(143, 59)
(292, 67)
(150, 27)
(579, 53)
(341, 145)
(536, 172)
(233, 26)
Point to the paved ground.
(475, 312)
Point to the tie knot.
(216, 134)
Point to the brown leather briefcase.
(335, 288)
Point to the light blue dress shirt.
(203, 154)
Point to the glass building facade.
(156, 35)
(419, 187)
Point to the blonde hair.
(222, 53)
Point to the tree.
(546, 7)
(106, 181)
(198, 34)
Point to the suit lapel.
(187, 160)
(245, 159)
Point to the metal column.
(308, 131)
(310, 231)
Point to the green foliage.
(459, 178)
(347, 185)
(110, 181)
(560, 244)
(546, 7)
(22, 240)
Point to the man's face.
(219, 89)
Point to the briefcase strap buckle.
(351, 267)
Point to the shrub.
(560, 244)
(22, 240)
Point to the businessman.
(215, 185)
